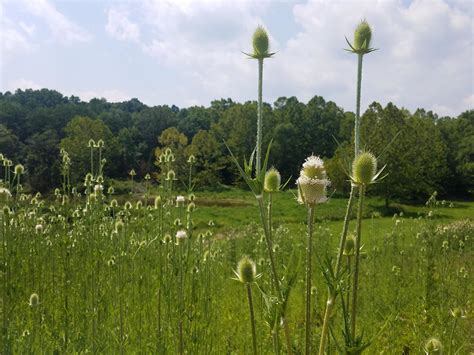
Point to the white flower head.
(181, 236)
(180, 198)
(5, 194)
(312, 182)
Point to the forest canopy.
(423, 152)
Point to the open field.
(113, 280)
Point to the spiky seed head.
(147, 177)
(362, 36)
(19, 169)
(433, 346)
(91, 143)
(119, 226)
(191, 207)
(5, 194)
(100, 143)
(312, 182)
(260, 42)
(157, 202)
(349, 245)
(191, 159)
(457, 312)
(272, 180)
(246, 270)
(132, 172)
(364, 168)
(34, 300)
(167, 239)
(171, 175)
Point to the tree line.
(423, 152)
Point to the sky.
(189, 52)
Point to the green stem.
(452, 335)
(357, 119)
(357, 261)
(276, 280)
(181, 346)
(252, 318)
(259, 115)
(308, 279)
(342, 242)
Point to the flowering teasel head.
(246, 271)
(362, 38)
(260, 44)
(364, 169)
(181, 236)
(433, 346)
(272, 181)
(312, 182)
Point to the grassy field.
(112, 279)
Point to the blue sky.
(188, 52)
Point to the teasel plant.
(255, 178)
(247, 274)
(360, 47)
(312, 185)
(364, 173)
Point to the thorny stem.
(357, 119)
(308, 280)
(259, 115)
(252, 318)
(330, 305)
(276, 280)
(357, 260)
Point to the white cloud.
(61, 28)
(425, 57)
(120, 27)
(25, 84)
(111, 95)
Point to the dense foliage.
(424, 152)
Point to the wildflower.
(167, 239)
(362, 38)
(110, 190)
(364, 169)
(132, 173)
(457, 313)
(312, 182)
(171, 175)
(181, 235)
(272, 180)
(191, 207)
(246, 270)
(39, 228)
(91, 143)
(19, 169)
(98, 189)
(147, 177)
(100, 143)
(192, 159)
(179, 200)
(5, 194)
(260, 44)
(433, 346)
(349, 245)
(34, 300)
(157, 202)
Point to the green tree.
(211, 159)
(78, 133)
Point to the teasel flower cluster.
(312, 182)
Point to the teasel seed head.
(349, 245)
(364, 168)
(362, 36)
(272, 180)
(433, 346)
(19, 169)
(246, 270)
(34, 300)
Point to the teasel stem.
(357, 261)
(252, 317)
(276, 280)
(181, 301)
(308, 280)
(357, 118)
(452, 335)
(259, 115)
(329, 304)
